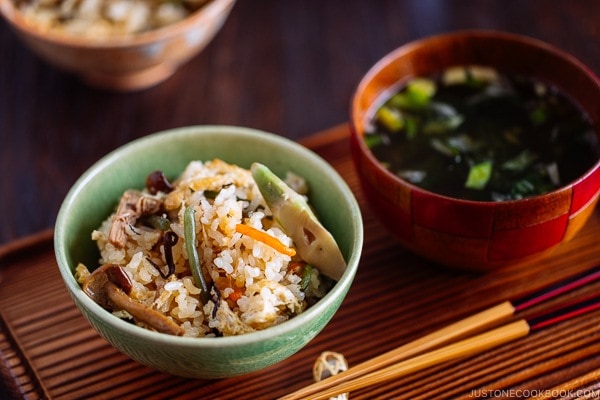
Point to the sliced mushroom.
(109, 286)
(133, 204)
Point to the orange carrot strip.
(265, 238)
(235, 295)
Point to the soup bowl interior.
(94, 196)
(473, 234)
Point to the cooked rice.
(257, 286)
(105, 18)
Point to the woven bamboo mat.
(47, 349)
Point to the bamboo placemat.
(48, 350)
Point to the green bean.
(306, 275)
(189, 228)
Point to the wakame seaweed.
(475, 133)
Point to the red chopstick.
(486, 319)
(564, 312)
(466, 347)
(557, 289)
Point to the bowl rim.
(14, 16)
(454, 35)
(339, 289)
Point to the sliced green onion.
(520, 162)
(553, 173)
(411, 126)
(442, 125)
(479, 75)
(463, 143)
(454, 76)
(479, 175)
(391, 118)
(420, 91)
(413, 176)
(373, 140)
(189, 229)
(422, 87)
(523, 188)
(443, 148)
(416, 95)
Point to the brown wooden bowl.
(123, 63)
(470, 234)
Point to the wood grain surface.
(287, 67)
(48, 350)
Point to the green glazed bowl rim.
(339, 290)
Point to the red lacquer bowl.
(469, 234)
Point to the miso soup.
(478, 134)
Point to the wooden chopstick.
(463, 348)
(482, 320)
(476, 323)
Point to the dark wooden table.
(287, 67)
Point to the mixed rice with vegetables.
(207, 254)
(106, 18)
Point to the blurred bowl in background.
(128, 62)
(475, 235)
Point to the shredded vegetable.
(265, 238)
(189, 223)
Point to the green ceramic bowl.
(95, 194)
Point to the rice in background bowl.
(121, 62)
(93, 198)
(101, 19)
